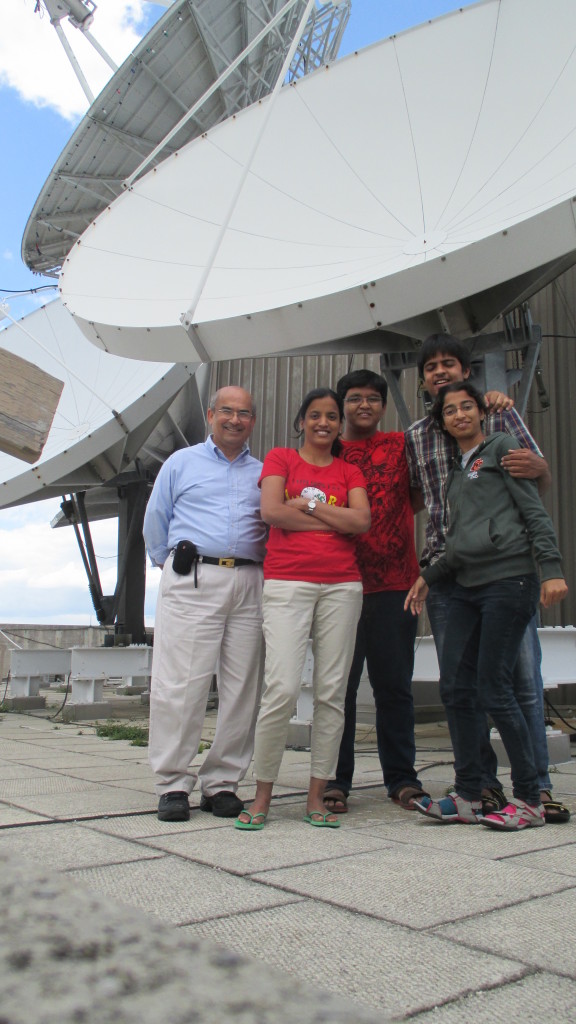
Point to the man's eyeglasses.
(242, 414)
(358, 399)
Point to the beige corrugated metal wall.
(279, 385)
(554, 308)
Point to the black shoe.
(174, 806)
(222, 805)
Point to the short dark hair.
(457, 385)
(445, 344)
(362, 379)
(307, 402)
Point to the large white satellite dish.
(429, 167)
(108, 410)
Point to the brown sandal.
(554, 813)
(407, 796)
(336, 800)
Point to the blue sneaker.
(451, 810)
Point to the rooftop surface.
(396, 917)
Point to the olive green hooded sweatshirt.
(498, 527)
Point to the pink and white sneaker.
(515, 817)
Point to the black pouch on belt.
(185, 554)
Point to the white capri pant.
(293, 612)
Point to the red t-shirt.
(386, 554)
(315, 557)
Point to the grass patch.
(114, 731)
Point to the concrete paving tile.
(18, 771)
(364, 959)
(61, 847)
(117, 771)
(139, 785)
(99, 800)
(124, 754)
(532, 1000)
(146, 825)
(16, 816)
(64, 760)
(11, 751)
(564, 781)
(246, 791)
(180, 891)
(286, 841)
(558, 858)
(540, 933)
(41, 785)
(14, 721)
(143, 826)
(473, 841)
(399, 884)
(296, 778)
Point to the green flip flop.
(320, 820)
(252, 825)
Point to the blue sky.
(41, 576)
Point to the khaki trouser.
(214, 628)
(294, 611)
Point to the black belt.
(228, 563)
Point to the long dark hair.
(456, 385)
(307, 402)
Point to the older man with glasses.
(203, 529)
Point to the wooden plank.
(28, 400)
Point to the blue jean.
(528, 686)
(481, 645)
(385, 640)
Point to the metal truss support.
(490, 370)
(391, 366)
(125, 607)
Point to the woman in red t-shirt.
(315, 503)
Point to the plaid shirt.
(430, 454)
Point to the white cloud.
(41, 573)
(8, 255)
(33, 62)
(42, 577)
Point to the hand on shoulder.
(497, 401)
(523, 463)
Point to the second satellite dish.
(429, 167)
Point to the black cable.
(28, 291)
(61, 708)
(557, 714)
(43, 642)
(5, 688)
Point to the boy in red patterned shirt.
(388, 564)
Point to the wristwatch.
(311, 506)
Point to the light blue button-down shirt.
(200, 496)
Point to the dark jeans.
(528, 685)
(483, 637)
(385, 640)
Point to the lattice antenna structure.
(321, 42)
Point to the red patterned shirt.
(386, 554)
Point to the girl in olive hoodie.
(499, 536)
